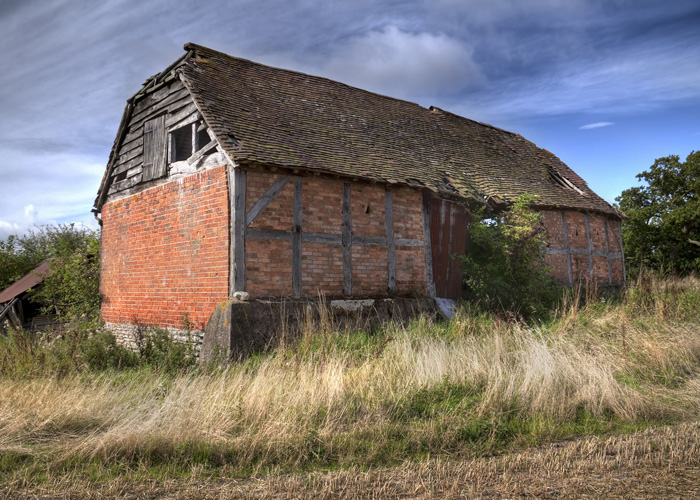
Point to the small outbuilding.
(17, 309)
(231, 176)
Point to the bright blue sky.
(606, 85)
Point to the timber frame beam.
(588, 251)
(241, 231)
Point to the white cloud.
(30, 212)
(596, 125)
(6, 229)
(404, 64)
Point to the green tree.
(504, 263)
(662, 229)
(72, 288)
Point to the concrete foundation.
(238, 328)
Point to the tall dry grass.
(470, 386)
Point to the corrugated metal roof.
(36, 276)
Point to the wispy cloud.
(595, 125)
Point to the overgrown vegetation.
(504, 262)
(478, 385)
(662, 228)
(72, 289)
(82, 348)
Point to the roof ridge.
(483, 124)
(195, 47)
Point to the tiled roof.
(271, 116)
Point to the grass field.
(608, 386)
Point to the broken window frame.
(198, 138)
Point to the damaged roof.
(29, 280)
(269, 116)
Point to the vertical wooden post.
(607, 249)
(238, 229)
(296, 238)
(427, 245)
(589, 246)
(347, 241)
(449, 227)
(622, 252)
(390, 248)
(566, 246)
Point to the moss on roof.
(271, 116)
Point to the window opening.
(187, 140)
(181, 143)
(562, 181)
(202, 139)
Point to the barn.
(231, 176)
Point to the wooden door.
(448, 239)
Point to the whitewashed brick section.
(126, 335)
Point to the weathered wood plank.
(566, 246)
(131, 154)
(450, 219)
(175, 100)
(123, 167)
(580, 251)
(408, 242)
(238, 229)
(125, 184)
(154, 149)
(622, 252)
(177, 92)
(266, 198)
(589, 245)
(134, 134)
(134, 143)
(347, 241)
(377, 241)
(329, 239)
(607, 249)
(172, 108)
(134, 171)
(390, 250)
(186, 115)
(296, 238)
(197, 155)
(268, 234)
(7, 308)
(427, 245)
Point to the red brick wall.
(165, 252)
(408, 224)
(578, 241)
(269, 262)
(268, 267)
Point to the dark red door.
(448, 238)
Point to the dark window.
(202, 139)
(187, 140)
(182, 143)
